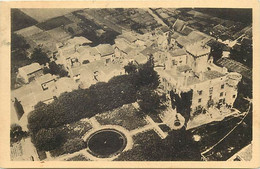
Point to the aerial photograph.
(131, 84)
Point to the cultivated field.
(44, 14)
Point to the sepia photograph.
(131, 84)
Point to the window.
(200, 92)
(211, 90)
(221, 94)
(234, 96)
(107, 60)
(199, 101)
(222, 86)
(180, 61)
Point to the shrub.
(16, 133)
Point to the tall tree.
(147, 76)
(40, 56)
(149, 101)
(130, 68)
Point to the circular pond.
(106, 143)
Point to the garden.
(59, 126)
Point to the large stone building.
(191, 68)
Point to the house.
(65, 84)
(79, 40)
(122, 48)
(209, 86)
(106, 52)
(177, 57)
(46, 96)
(88, 54)
(30, 72)
(111, 70)
(178, 25)
(46, 81)
(128, 36)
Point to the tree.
(39, 56)
(18, 108)
(18, 42)
(130, 68)
(149, 101)
(216, 50)
(70, 30)
(147, 76)
(182, 103)
(55, 69)
(16, 133)
(48, 139)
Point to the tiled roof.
(235, 66)
(175, 35)
(164, 15)
(130, 37)
(183, 68)
(178, 25)
(110, 68)
(186, 31)
(178, 52)
(79, 40)
(148, 51)
(164, 28)
(122, 45)
(183, 41)
(195, 36)
(105, 49)
(196, 49)
(212, 74)
(31, 68)
(45, 78)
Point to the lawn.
(125, 116)
(137, 153)
(73, 131)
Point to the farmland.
(44, 14)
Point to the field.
(20, 20)
(44, 14)
(54, 23)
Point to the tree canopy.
(130, 68)
(149, 100)
(16, 133)
(39, 56)
(55, 69)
